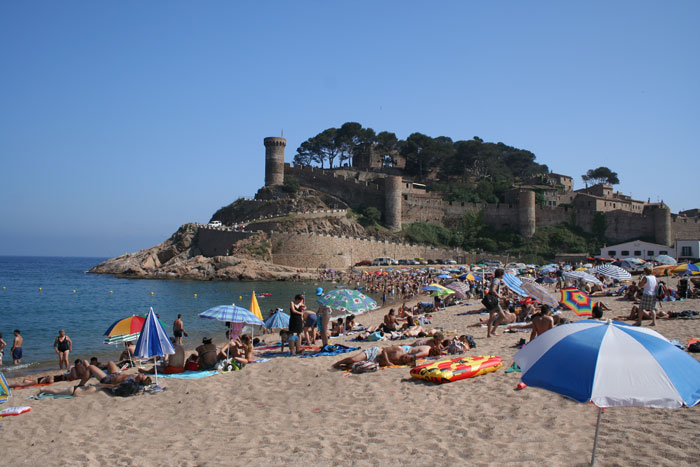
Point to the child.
(284, 339)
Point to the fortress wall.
(685, 228)
(623, 226)
(311, 250)
(355, 192)
(501, 216)
(547, 217)
(217, 242)
(430, 208)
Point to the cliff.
(180, 258)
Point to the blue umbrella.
(444, 276)
(231, 313)
(514, 284)
(153, 341)
(433, 288)
(545, 280)
(612, 365)
(278, 320)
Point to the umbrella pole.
(155, 368)
(595, 439)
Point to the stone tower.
(274, 160)
(392, 202)
(526, 214)
(662, 225)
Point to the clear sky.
(120, 121)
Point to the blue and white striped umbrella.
(611, 364)
(581, 275)
(514, 284)
(612, 271)
(231, 313)
(278, 320)
(153, 341)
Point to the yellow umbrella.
(681, 268)
(254, 307)
(663, 270)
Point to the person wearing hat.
(206, 356)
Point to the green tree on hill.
(601, 175)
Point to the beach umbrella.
(444, 276)
(540, 294)
(348, 301)
(278, 320)
(665, 259)
(153, 341)
(232, 314)
(126, 326)
(434, 288)
(577, 301)
(663, 270)
(686, 269)
(614, 272)
(5, 392)
(440, 293)
(610, 364)
(514, 284)
(584, 276)
(254, 307)
(545, 280)
(460, 288)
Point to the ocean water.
(41, 295)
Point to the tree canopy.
(601, 175)
(465, 170)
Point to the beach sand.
(293, 411)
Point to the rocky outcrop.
(179, 258)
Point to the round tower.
(392, 202)
(526, 213)
(662, 225)
(274, 160)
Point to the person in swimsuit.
(310, 321)
(296, 324)
(17, 348)
(178, 329)
(63, 347)
(387, 356)
(112, 376)
(206, 357)
(3, 344)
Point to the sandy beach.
(291, 411)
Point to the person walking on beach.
(178, 329)
(3, 344)
(17, 348)
(63, 346)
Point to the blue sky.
(120, 121)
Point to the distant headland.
(423, 197)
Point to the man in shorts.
(113, 375)
(387, 356)
(178, 329)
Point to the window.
(686, 251)
(625, 253)
(650, 253)
(612, 253)
(663, 252)
(637, 253)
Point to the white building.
(636, 249)
(687, 250)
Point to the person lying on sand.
(76, 372)
(113, 375)
(384, 356)
(75, 391)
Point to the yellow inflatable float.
(446, 371)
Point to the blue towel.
(190, 374)
(331, 350)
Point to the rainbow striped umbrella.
(577, 301)
(127, 326)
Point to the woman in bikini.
(63, 347)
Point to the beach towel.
(14, 411)
(5, 392)
(50, 396)
(330, 350)
(190, 374)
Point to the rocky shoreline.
(179, 258)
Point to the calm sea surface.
(41, 295)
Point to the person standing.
(495, 311)
(179, 329)
(17, 348)
(3, 344)
(296, 323)
(63, 347)
(648, 303)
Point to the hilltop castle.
(372, 182)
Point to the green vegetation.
(465, 171)
(291, 184)
(471, 234)
(601, 175)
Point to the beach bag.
(456, 347)
(490, 301)
(364, 367)
(126, 389)
(694, 347)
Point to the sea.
(42, 295)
